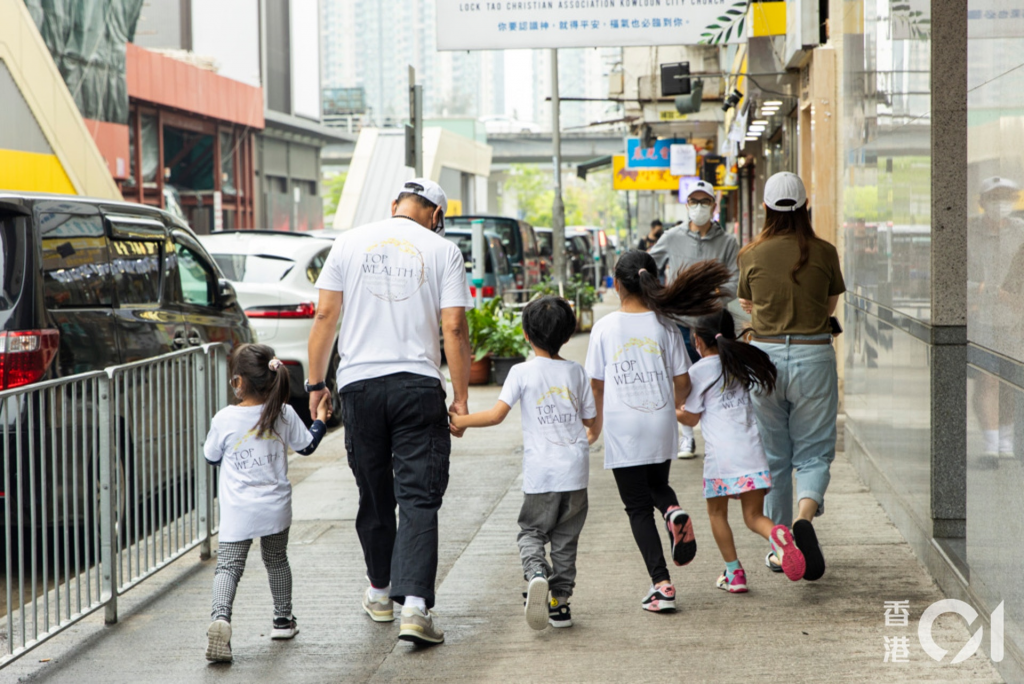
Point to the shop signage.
(624, 178)
(683, 160)
(495, 25)
(656, 157)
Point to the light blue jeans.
(798, 424)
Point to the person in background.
(399, 280)
(648, 241)
(557, 408)
(790, 283)
(700, 239)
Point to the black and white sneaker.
(284, 628)
(559, 614)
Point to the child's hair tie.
(275, 363)
(642, 270)
(718, 335)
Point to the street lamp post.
(557, 208)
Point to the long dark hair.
(741, 362)
(269, 385)
(778, 223)
(695, 291)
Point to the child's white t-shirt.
(732, 443)
(255, 494)
(637, 355)
(554, 397)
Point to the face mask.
(700, 215)
(1000, 208)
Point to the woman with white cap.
(790, 283)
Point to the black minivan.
(520, 243)
(86, 284)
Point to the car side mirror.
(225, 294)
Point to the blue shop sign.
(656, 157)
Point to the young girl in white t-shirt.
(249, 441)
(735, 465)
(638, 367)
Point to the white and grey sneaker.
(218, 644)
(284, 628)
(537, 602)
(687, 448)
(379, 610)
(418, 627)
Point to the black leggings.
(643, 488)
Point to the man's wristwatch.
(316, 386)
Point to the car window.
(12, 260)
(136, 269)
(317, 265)
(465, 244)
(544, 242)
(529, 242)
(196, 277)
(500, 258)
(76, 261)
(506, 229)
(254, 268)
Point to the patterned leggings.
(231, 564)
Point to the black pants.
(642, 489)
(396, 435)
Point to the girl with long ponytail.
(250, 442)
(735, 465)
(638, 366)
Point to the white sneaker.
(687, 448)
(419, 628)
(537, 602)
(218, 646)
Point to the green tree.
(592, 202)
(332, 193)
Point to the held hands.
(316, 398)
(592, 435)
(679, 413)
(324, 409)
(747, 305)
(455, 412)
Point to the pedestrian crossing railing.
(104, 483)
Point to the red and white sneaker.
(737, 584)
(785, 548)
(680, 536)
(660, 599)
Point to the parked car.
(602, 245)
(508, 124)
(579, 256)
(86, 284)
(498, 276)
(274, 275)
(519, 241)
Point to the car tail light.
(303, 310)
(487, 291)
(25, 356)
(520, 281)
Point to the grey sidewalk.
(829, 630)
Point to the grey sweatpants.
(556, 518)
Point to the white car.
(274, 275)
(508, 124)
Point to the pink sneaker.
(792, 559)
(738, 583)
(660, 599)
(680, 536)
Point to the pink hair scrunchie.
(275, 363)
(718, 335)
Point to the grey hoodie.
(681, 247)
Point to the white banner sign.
(496, 25)
(683, 160)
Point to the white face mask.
(700, 215)
(1000, 208)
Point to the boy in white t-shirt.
(557, 411)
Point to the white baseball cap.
(997, 183)
(701, 186)
(785, 192)
(428, 190)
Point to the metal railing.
(104, 484)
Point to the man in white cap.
(686, 244)
(399, 279)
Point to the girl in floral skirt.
(735, 466)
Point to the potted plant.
(506, 344)
(580, 294)
(480, 322)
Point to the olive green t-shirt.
(782, 307)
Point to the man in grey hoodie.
(686, 244)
